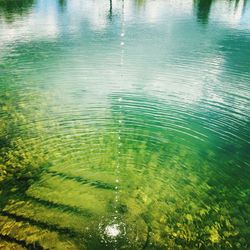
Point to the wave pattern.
(126, 127)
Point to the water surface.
(124, 124)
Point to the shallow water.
(124, 124)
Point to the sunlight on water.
(112, 230)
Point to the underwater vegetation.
(62, 198)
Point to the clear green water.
(124, 125)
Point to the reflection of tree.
(139, 3)
(110, 10)
(62, 4)
(10, 8)
(203, 9)
(244, 5)
(236, 4)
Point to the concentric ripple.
(124, 124)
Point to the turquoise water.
(124, 124)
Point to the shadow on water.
(10, 9)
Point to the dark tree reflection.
(13, 8)
(110, 15)
(203, 10)
(237, 5)
(62, 4)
